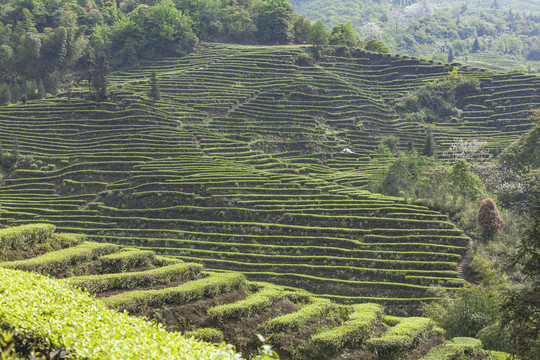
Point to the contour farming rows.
(239, 166)
(213, 306)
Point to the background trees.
(59, 39)
(521, 307)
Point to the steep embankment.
(239, 166)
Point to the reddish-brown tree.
(489, 218)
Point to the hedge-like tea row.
(298, 319)
(68, 318)
(403, 336)
(124, 260)
(128, 280)
(214, 284)
(457, 347)
(12, 240)
(353, 332)
(63, 261)
(254, 303)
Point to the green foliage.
(124, 260)
(43, 47)
(401, 176)
(429, 145)
(353, 332)
(438, 101)
(295, 321)
(135, 301)
(442, 30)
(7, 346)
(63, 261)
(318, 34)
(128, 280)
(253, 303)
(467, 311)
(524, 153)
(154, 92)
(377, 46)
(273, 22)
(97, 77)
(344, 34)
(458, 347)
(464, 181)
(521, 307)
(69, 318)
(210, 335)
(402, 337)
(16, 240)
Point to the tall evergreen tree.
(429, 145)
(450, 55)
(521, 309)
(97, 76)
(476, 45)
(154, 88)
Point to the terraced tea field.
(239, 167)
(213, 306)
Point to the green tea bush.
(210, 335)
(403, 336)
(353, 332)
(15, 239)
(70, 319)
(210, 286)
(63, 262)
(298, 319)
(99, 283)
(457, 348)
(247, 307)
(124, 260)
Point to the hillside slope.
(185, 297)
(239, 166)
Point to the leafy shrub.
(212, 285)
(99, 283)
(19, 238)
(353, 332)
(466, 311)
(403, 336)
(252, 304)
(457, 348)
(298, 319)
(63, 261)
(124, 260)
(489, 218)
(68, 318)
(206, 334)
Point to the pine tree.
(97, 76)
(429, 145)
(521, 308)
(476, 45)
(450, 55)
(154, 88)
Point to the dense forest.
(497, 34)
(46, 46)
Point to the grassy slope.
(238, 166)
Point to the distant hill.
(255, 159)
(507, 31)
